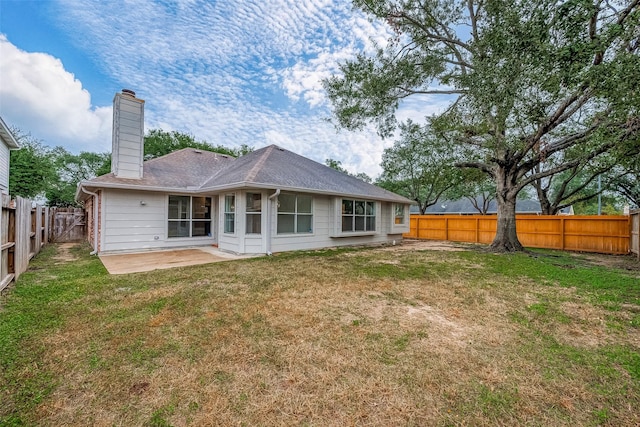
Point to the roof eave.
(266, 186)
(91, 186)
(7, 136)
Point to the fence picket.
(634, 231)
(602, 234)
(23, 232)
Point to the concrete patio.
(123, 263)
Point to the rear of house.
(270, 200)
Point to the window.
(230, 213)
(398, 214)
(294, 214)
(200, 216)
(189, 216)
(358, 215)
(254, 213)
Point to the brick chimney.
(127, 150)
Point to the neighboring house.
(465, 207)
(270, 200)
(8, 143)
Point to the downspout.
(269, 221)
(95, 219)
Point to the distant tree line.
(424, 169)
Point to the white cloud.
(39, 96)
(231, 73)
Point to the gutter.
(269, 221)
(95, 218)
(390, 197)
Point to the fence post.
(7, 240)
(446, 229)
(634, 232)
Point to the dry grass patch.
(361, 337)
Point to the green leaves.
(419, 165)
(32, 170)
(527, 80)
(159, 143)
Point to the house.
(466, 207)
(270, 200)
(8, 143)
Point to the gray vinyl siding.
(130, 226)
(326, 221)
(254, 245)
(240, 241)
(4, 168)
(229, 241)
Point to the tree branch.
(474, 19)
(431, 92)
(436, 37)
(626, 12)
(475, 165)
(562, 113)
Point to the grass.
(334, 337)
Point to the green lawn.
(379, 336)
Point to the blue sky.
(227, 72)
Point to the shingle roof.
(187, 168)
(275, 167)
(269, 167)
(464, 206)
(7, 136)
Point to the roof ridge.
(251, 175)
(202, 150)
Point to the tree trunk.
(506, 239)
(545, 204)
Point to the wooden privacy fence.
(68, 224)
(23, 231)
(634, 245)
(603, 234)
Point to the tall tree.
(32, 170)
(574, 185)
(626, 179)
(528, 79)
(418, 166)
(159, 143)
(70, 170)
(477, 188)
(628, 185)
(337, 165)
(585, 180)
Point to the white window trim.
(247, 213)
(190, 220)
(295, 214)
(405, 226)
(338, 218)
(235, 214)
